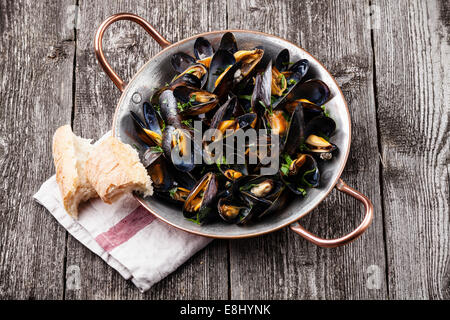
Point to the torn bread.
(113, 168)
(69, 155)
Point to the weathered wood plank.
(412, 54)
(128, 47)
(36, 54)
(282, 265)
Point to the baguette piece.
(69, 155)
(113, 168)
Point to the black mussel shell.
(249, 60)
(220, 62)
(179, 148)
(234, 167)
(182, 184)
(305, 175)
(141, 128)
(169, 109)
(198, 70)
(181, 61)
(228, 81)
(151, 118)
(258, 188)
(203, 48)
(185, 79)
(315, 91)
(299, 69)
(321, 125)
(296, 132)
(282, 60)
(261, 97)
(158, 170)
(320, 147)
(228, 43)
(201, 200)
(199, 101)
(227, 111)
(233, 210)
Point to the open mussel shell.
(149, 136)
(296, 132)
(249, 60)
(233, 168)
(261, 96)
(182, 184)
(320, 147)
(259, 188)
(198, 101)
(181, 61)
(224, 117)
(185, 79)
(233, 210)
(278, 122)
(169, 108)
(198, 70)
(315, 91)
(200, 202)
(228, 43)
(203, 48)
(301, 173)
(310, 110)
(179, 147)
(321, 125)
(158, 170)
(221, 62)
(282, 60)
(227, 81)
(291, 81)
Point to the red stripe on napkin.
(125, 229)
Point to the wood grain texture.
(413, 58)
(36, 54)
(128, 47)
(282, 265)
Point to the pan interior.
(158, 71)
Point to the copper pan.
(158, 70)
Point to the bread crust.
(69, 166)
(114, 168)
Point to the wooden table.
(391, 59)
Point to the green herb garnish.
(246, 97)
(136, 147)
(156, 149)
(302, 191)
(325, 112)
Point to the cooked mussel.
(320, 146)
(203, 48)
(296, 132)
(234, 210)
(194, 101)
(198, 70)
(300, 173)
(221, 62)
(179, 148)
(228, 43)
(261, 96)
(315, 91)
(157, 168)
(149, 131)
(200, 201)
(181, 61)
(169, 108)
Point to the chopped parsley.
(246, 97)
(156, 149)
(325, 112)
(302, 191)
(136, 147)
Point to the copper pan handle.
(331, 243)
(99, 39)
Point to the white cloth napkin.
(128, 237)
